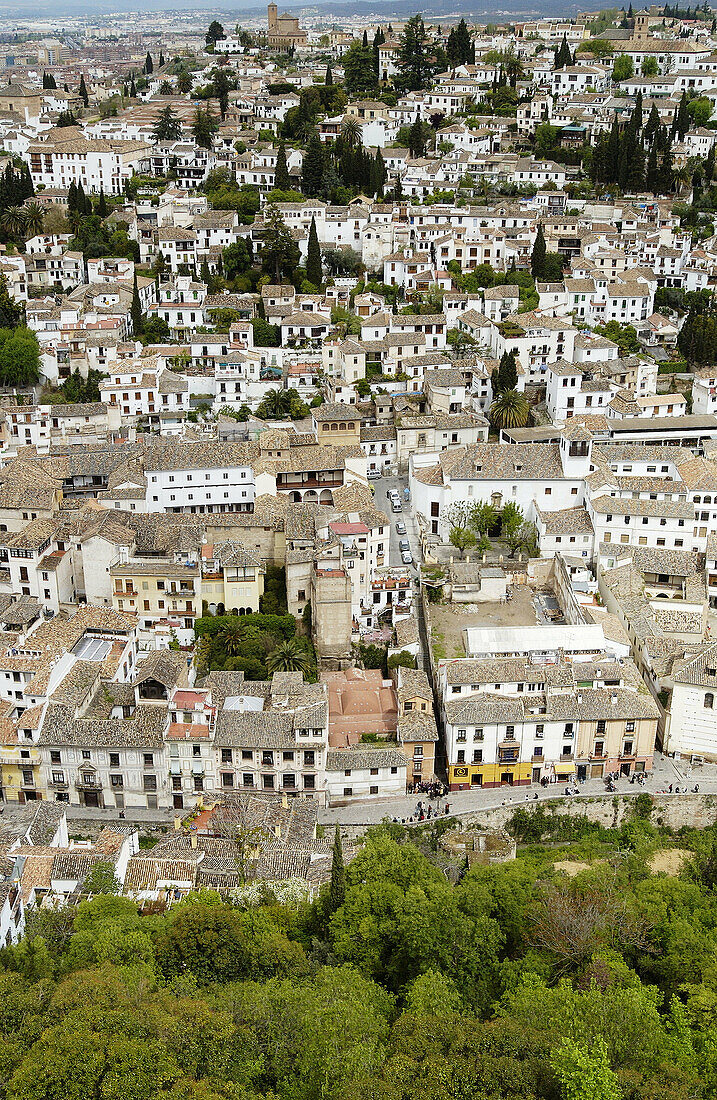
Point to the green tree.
(537, 256)
(135, 309)
(413, 62)
(101, 879)
(313, 257)
(360, 78)
(279, 251)
(623, 68)
(185, 82)
(585, 1073)
(19, 356)
(462, 538)
(281, 175)
(329, 76)
(167, 127)
(215, 33)
(148, 65)
(204, 127)
(337, 885)
(83, 91)
(289, 656)
(649, 66)
(312, 168)
(700, 110)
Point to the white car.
(406, 557)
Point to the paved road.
(381, 488)
(665, 772)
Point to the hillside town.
(358, 429)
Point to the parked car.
(407, 557)
(396, 506)
(403, 545)
(400, 527)
(373, 474)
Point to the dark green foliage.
(281, 177)
(82, 92)
(360, 73)
(563, 55)
(215, 33)
(77, 390)
(416, 62)
(135, 310)
(313, 257)
(537, 256)
(697, 339)
(148, 64)
(19, 354)
(167, 127)
(312, 169)
(273, 602)
(459, 48)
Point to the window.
(510, 732)
(374, 771)
(227, 779)
(709, 700)
(348, 791)
(150, 782)
(117, 782)
(599, 748)
(55, 757)
(478, 735)
(461, 756)
(86, 754)
(309, 758)
(268, 782)
(148, 759)
(247, 779)
(246, 754)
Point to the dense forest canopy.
(516, 982)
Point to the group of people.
(425, 813)
(435, 789)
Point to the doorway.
(582, 772)
(506, 779)
(92, 798)
(536, 775)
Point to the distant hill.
(382, 9)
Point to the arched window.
(709, 700)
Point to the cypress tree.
(379, 174)
(102, 204)
(71, 196)
(537, 256)
(83, 91)
(682, 117)
(337, 887)
(416, 140)
(135, 310)
(364, 42)
(132, 89)
(161, 59)
(710, 165)
(313, 257)
(329, 78)
(148, 64)
(281, 175)
(651, 176)
(312, 169)
(653, 123)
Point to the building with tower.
(284, 30)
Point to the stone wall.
(673, 811)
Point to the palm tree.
(514, 69)
(510, 410)
(352, 132)
(185, 81)
(289, 656)
(275, 405)
(232, 636)
(34, 218)
(681, 177)
(12, 220)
